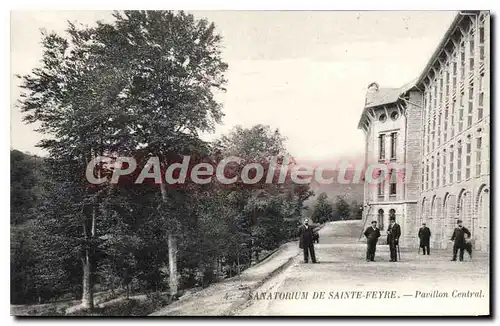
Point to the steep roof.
(382, 96)
(385, 96)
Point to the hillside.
(351, 192)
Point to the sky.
(304, 72)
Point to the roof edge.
(451, 29)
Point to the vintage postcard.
(250, 163)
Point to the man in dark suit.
(372, 233)
(459, 240)
(306, 235)
(393, 234)
(424, 234)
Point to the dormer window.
(382, 117)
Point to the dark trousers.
(371, 247)
(424, 247)
(309, 249)
(393, 250)
(457, 248)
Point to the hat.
(423, 223)
(459, 221)
(392, 218)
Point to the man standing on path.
(459, 238)
(306, 242)
(393, 234)
(424, 234)
(372, 233)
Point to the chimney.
(371, 93)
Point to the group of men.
(460, 238)
(373, 233)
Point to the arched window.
(380, 219)
(392, 214)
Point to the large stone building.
(440, 124)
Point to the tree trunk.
(172, 251)
(172, 264)
(88, 295)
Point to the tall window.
(479, 148)
(471, 106)
(423, 176)
(392, 183)
(453, 109)
(459, 161)
(424, 119)
(468, 152)
(454, 79)
(444, 167)
(445, 128)
(434, 104)
(439, 129)
(461, 113)
(381, 185)
(432, 173)
(480, 98)
(427, 179)
(447, 83)
(481, 40)
(392, 214)
(471, 51)
(394, 140)
(462, 61)
(433, 140)
(381, 146)
(452, 158)
(380, 218)
(428, 136)
(438, 167)
(440, 90)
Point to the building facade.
(443, 131)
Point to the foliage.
(356, 211)
(342, 208)
(144, 85)
(323, 209)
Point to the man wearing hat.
(372, 233)
(424, 234)
(306, 242)
(459, 238)
(393, 234)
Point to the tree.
(356, 210)
(270, 209)
(174, 68)
(23, 190)
(146, 81)
(342, 208)
(323, 210)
